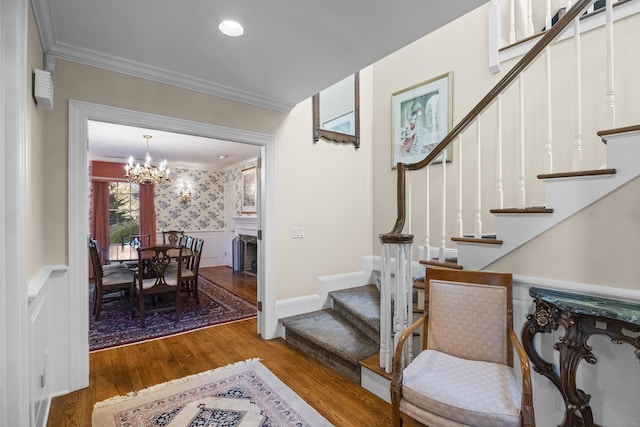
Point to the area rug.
(116, 327)
(244, 394)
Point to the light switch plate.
(297, 232)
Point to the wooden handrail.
(549, 36)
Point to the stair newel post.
(395, 295)
(385, 307)
(395, 280)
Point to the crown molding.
(55, 50)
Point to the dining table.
(128, 254)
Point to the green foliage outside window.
(124, 211)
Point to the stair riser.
(347, 314)
(332, 360)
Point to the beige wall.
(323, 187)
(35, 158)
(461, 48)
(447, 49)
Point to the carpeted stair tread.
(333, 333)
(360, 306)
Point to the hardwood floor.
(243, 286)
(121, 370)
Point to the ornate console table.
(581, 316)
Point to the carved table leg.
(572, 348)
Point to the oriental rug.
(116, 327)
(244, 394)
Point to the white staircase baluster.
(512, 21)
(477, 223)
(496, 41)
(548, 146)
(409, 204)
(499, 166)
(610, 98)
(547, 15)
(529, 27)
(522, 199)
(577, 141)
(443, 227)
(385, 308)
(403, 297)
(427, 227)
(459, 210)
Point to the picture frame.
(421, 117)
(249, 194)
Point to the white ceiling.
(291, 48)
(115, 143)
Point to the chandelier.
(146, 174)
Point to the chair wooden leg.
(141, 310)
(96, 309)
(195, 290)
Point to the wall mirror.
(336, 112)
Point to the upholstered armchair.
(463, 373)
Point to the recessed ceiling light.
(231, 28)
(222, 157)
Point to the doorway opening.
(80, 113)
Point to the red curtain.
(100, 217)
(147, 212)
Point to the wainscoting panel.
(48, 347)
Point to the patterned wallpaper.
(205, 211)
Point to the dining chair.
(110, 281)
(158, 282)
(191, 271)
(189, 242)
(137, 240)
(463, 374)
(171, 237)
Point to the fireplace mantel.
(247, 225)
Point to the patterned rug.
(116, 327)
(245, 394)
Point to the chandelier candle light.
(146, 174)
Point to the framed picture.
(249, 197)
(421, 117)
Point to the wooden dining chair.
(171, 237)
(191, 270)
(158, 282)
(463, 375)
(110, 282)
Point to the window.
(124, 212)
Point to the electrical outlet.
(297, 232)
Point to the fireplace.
(245, 245)
(245, 254)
